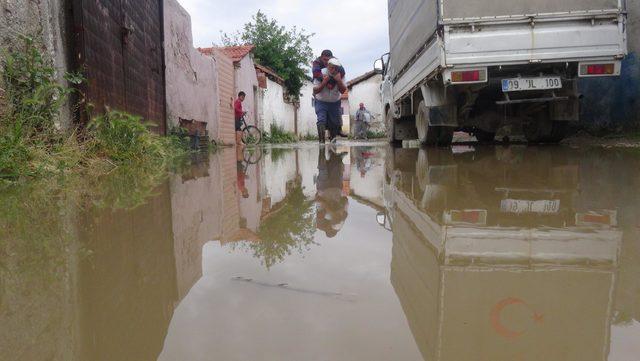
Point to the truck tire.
(431, 135)
(559, 131)
(484, 136)
(538, 129)
(391, 128)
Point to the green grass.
(311, 137)
(32, 146)
(376, 135)
(277, 135)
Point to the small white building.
(276, 106)
(366, 89)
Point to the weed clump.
(32, 145)
(277, 135)
(124, 138)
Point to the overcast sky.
(356, 30)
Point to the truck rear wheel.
(484, 136)
(431, 135)
(538, 128)
(546, 131)
(559, 131)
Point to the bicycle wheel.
(251, 135)
(253, 155)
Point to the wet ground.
(343, 253)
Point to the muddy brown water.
(345, 253)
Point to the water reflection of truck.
(480, 65)
(531, 285)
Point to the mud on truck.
(484, 65)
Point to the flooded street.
(338, 253)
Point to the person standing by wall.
(328, 89)
(239, 114)
(363, 121)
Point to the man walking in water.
(329, 85)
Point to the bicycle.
(250, 135)
(253, 155)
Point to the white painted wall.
(247, 81)
(307, 114)
(191, 78)
(281, 171)
(368, 92)
(275, 110)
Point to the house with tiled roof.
(245, 78)
(278, 108)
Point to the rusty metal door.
(119, 50)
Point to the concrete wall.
(307, 114)
(247, 81)
(274, 109)
(46, 21)
(368, 92)
(612, 103)
(191, 77)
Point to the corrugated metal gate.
(119, 50)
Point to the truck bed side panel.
(547, 42)
(460, 9)
(411, 24)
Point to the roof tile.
(236, 53)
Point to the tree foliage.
(287, 51)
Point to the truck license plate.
(524, 84)
(525, 206)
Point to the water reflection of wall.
(38, 276)
(197, 215)
(127, 286)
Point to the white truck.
(481, 65)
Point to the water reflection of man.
(241, 173)
(332, 203)
(364, 161)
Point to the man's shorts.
(238, 125)
(329, 113)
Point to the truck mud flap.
(443, 116)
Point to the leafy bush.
(277, 135)
(32, 146)
(124, 138)
(31, 102)
(376, 135)
(33, 96)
